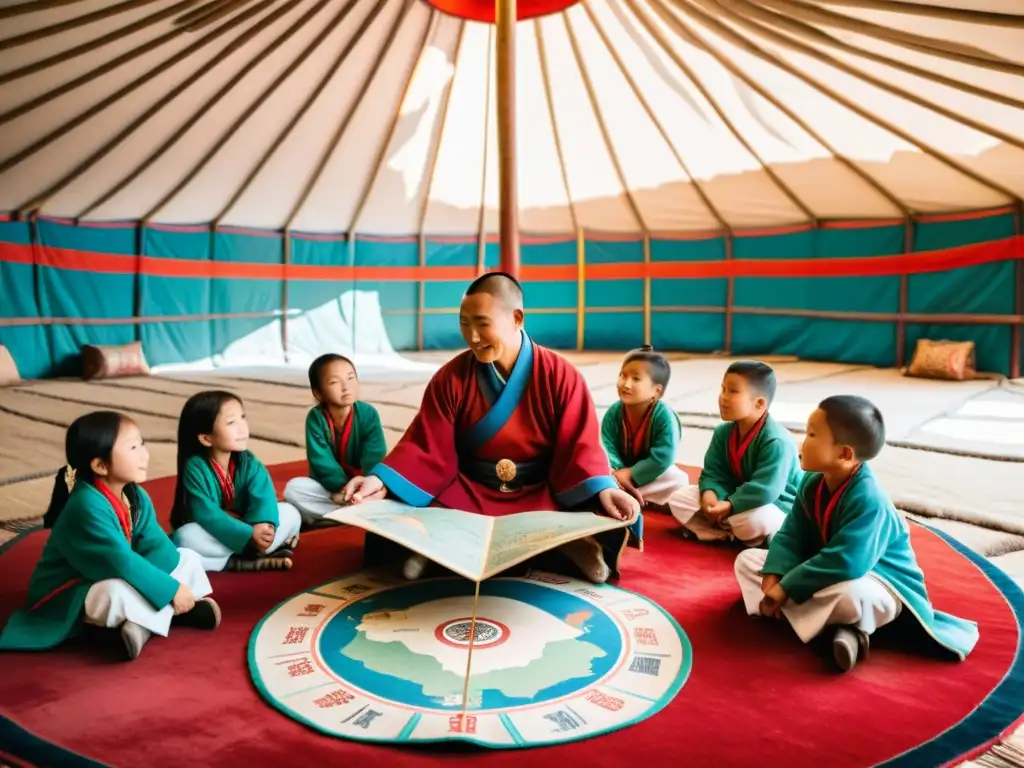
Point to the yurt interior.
(210, 195)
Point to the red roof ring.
(484, 10)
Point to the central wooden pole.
(505, 19)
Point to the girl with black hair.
(225, 506)
(108, 562)
(640, 434)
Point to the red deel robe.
(544, 414)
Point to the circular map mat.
(373, 657)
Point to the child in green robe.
(843, 558)
(640, 434)
(751, 470)
(225, 506)
(107, 562)
(344, 438)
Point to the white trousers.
(215, 555)
(752, 527)
(669, 489)
(309, 497)
(111, 602)
(866, 603)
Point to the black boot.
(262, 563)
(205, 614)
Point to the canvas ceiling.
(634, 116)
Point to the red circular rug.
(755, 695)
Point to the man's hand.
(773, 601)
(363, 488)
(717, 512)
(262, 536)
(616, 503)
(625, 481)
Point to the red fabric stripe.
(635, 439)
(824, 516)
(340, 444)
(14, 253)
(226, 480)
(124, 515)
(738, 450)
(346, 435)
(913, 263)
(47, 598)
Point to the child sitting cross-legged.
(107, 562)
(640, 434)
(344, 438)
(842, 560)
(225, 506)
(751, 470)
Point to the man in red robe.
(506, 399)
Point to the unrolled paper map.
(471, 545)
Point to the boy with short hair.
(344, 438)
(843, 557)
(751, 470)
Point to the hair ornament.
(69, 477)
(647, 348)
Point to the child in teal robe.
(107, 562)
(225, 506)
(640, 434)
(843, 557)
(344, 438)
(751, 470)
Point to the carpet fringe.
(20, 525)
(1002, 755)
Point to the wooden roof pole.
(505, 55)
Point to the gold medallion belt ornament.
(505, 469)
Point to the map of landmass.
(578, 618)
(539, 650)
(561, 661)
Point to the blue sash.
(505, 400)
